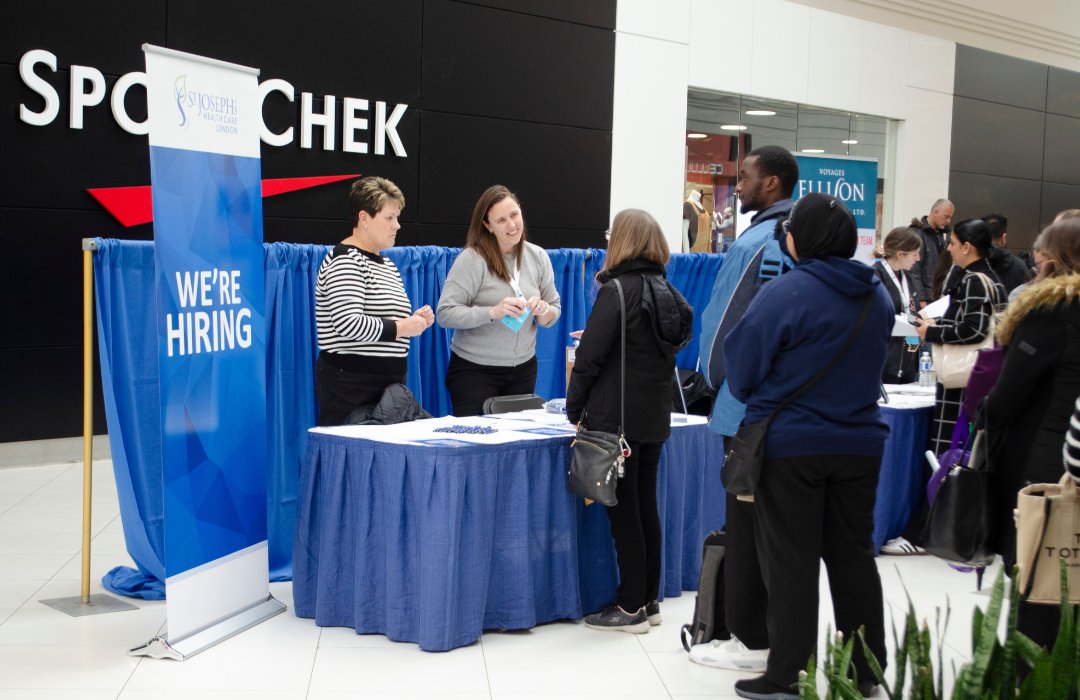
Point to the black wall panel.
(1061, 163)
(1063, 92)
(108, 36)
(979, 195)
(996, 139)
(993, 77)
(1055, 198)
(558, 172)
(490, 62)
(598, 13)
(1015, 133)
(45, 385)
(513, 91)
(362, 48)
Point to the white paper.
(903, 328)
(534, 424)
(936, 309)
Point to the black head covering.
(822, 226)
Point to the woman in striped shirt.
(362, 314)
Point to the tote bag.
(1048, 533)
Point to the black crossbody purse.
(598, 458)
(746, 451)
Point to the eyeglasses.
(607, 235)
(1039, 264)
(786, 225)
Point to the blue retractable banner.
(851, 180)
(205, 174)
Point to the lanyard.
(515, 284)
(901, 286)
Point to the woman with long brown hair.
(658, 325)
(498, 291)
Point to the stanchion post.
(86, 604)
(88, 409)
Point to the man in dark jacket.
(934, 231)
(1010, 269)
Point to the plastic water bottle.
(926, 369)
(571, 353)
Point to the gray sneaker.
(615, 619)
(652, 611)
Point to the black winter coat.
(1027, 412)
(658, 324)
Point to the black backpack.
(709, 621)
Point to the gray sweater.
(471, 289)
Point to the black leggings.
(635, 525)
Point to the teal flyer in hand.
(515, 323)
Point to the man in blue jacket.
(766, 180)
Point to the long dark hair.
(483, 241)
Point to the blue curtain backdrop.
(124, 292)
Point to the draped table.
(434, 542)
(902, 484)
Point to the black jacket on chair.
(658, 325)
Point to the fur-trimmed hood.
(1044, 295)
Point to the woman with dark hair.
(362, 314)
(815, 499)
(498, 291)
(1027, 413)
(973, 296)
(659, 323)
(899, 252)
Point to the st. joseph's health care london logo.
(220, 111)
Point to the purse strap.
(622, 355)
(832, 363)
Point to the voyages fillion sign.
(87, 90)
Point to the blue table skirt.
(903, 479)
(434, 545)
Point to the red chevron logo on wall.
(132, 206)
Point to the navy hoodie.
(793, 328)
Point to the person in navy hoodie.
(823, 452)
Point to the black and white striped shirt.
(1070, 451)
(358, 296)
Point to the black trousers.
(471, 384)
(339, 391)
(807, 509)
(635, 526)
(746, 601)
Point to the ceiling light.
(850, 142)
(733, 127)
(697, 136)
(813, 150)
(761, 113)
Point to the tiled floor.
(45, 654)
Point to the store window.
(722, 128)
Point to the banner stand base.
(161, 648)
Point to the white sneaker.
(900, 547)
(731, 654)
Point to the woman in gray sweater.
(498, 290)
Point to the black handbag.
(960, 527)
(598, 457)
(746, 449)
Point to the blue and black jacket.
(756, 257)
